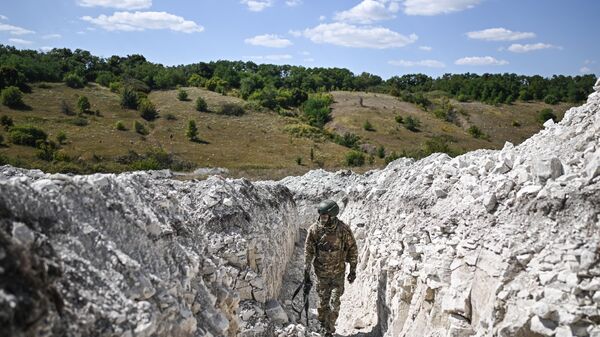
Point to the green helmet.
(328, 207)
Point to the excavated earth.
(490, 243)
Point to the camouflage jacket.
(329, 250)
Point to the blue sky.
(384, 37)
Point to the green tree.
(196, 80)
(182, 95)
(46, 149)
(551, 99)
(192, 131)
(147, 109)
(74, 81)
(61, 137)
(83, 104)
(546, 114)
(129, 98)
(12, 97)
(201, 104)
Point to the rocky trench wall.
(138, 254)
(491, 243)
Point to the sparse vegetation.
(61, 137)
(120, 126)
(170, 117)
(232, 109)
(546, 114)
(391, 157)
(476, 132)
(182, 95)
(147, 109)
(349, 140)
(399, 119)
(316, 109)
(140, 128)
(368, 126)
(355, 158)
(79, 121)
(83, 104)
(412, 123)
(381, 151)
(74, 81)
(6, 122)
(129, 98)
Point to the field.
(255, 144)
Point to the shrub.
(399, 119)
(551, 99)
(381, 152)
(516, 123)
(120, 126)
(83, 104)
(129, 98)
(201, 104)
(349, 139)
(61, 137)
(368, 126)
(46, 150)
(316, 109)
(147, 109)
(412, 123)
(12, 97)
(140, 128)
(170, 117)
(26, 135)
(79, 121)
(474, 131)
(462, 98)
(196, 80)
(355, 158)
(304, 130)
(74, 81)
(232, 109)
(299, 160)
(6, 122)
(115, 86)
(546, 114)
(182, 95)
(66, 108)
(105, 78)
(192, 131)
(437, 144)
(1, 139)
(391, 157)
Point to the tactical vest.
(330, 250)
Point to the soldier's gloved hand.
(352, 276)
(307, 277)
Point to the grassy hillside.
(255, 144)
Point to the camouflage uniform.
(328, 250)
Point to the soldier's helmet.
(329, 207)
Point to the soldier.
(329, 245)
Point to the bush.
(66, 108)
(192, 131)
(516, 123)
(12, 97)
(391, 157)
(6, 122)
(83, 104)
(1, 139)
(232, 109)
(120, 126)
(349, 139)
(46, 150)
(381, 152)
(79, 121)
(147, 109)
(129, 98)
(196, 80)
(61, 137)
(299, 160)
(140, 128)
(399, 119)
(316, 109)
(474, 131)
(74, 81)
(105, 78)
(551, 99)
(304, 130)
(182, 95)
(462, 98)
(412, 123)
(368, 126)
(115, 86)
(201, 104)
(26, 135)
(546, 114)
(170, 117)
(355, 158)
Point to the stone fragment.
(543, 327)
(490, 202)
(22, 234)
(563, 331)
(275, 312)
(545, 168)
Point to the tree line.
(274, 86)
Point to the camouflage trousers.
(330, 290)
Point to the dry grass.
(253, 145)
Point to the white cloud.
(273, 57)
(322, 18)
(268, 40)
(51, 36)
(346, 35)
(305, 53)
(293, 3)
(119, 4)
(2, 17)
(81, 32)
(589, 62)
(480, 61)
(20, 41)
(257, 5)
(585, 70)
(422, 63)
(524, 48)
(138, 21)
(435, 7)
(499, 34)
(368, 11)
(309, 59)
(46, 49)
(14, 30)
(295, 33)
(425, 48)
